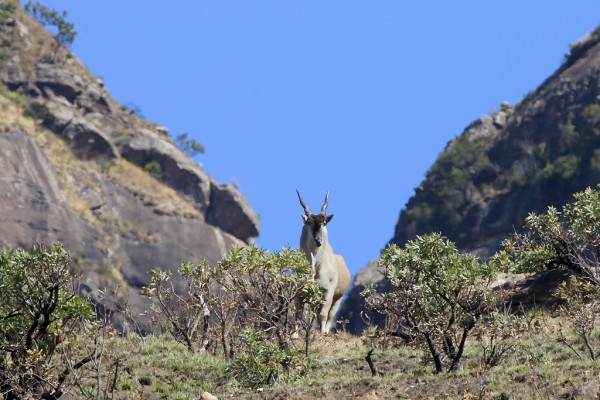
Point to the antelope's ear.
(304, 218)
(328, 218)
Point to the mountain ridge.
(84, 170)
(505, 165)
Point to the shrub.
(39, 313)
(153, 168)
(252, 296)
(39, 111)
(7, 9)
(262, 362)
(187, 314)
(570, 239)
(4, 54)
(271, 289)
(437, 295)
(499, 333)
(582, 305)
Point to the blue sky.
(354, 97)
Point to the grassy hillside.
(157, 367)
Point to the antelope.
(329, 269)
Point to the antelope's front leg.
(323, 315)
(332, 312)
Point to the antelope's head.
(315, 225)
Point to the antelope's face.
(316, 226)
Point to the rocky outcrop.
(508, 164)
(87, 141)
(176, 169)
(230, 211)
(530, 157)
(74, 170)
(353, 308)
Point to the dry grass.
(151, 192)
(68, 167)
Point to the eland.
(329, 269)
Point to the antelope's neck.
(313, 253)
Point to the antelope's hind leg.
(298, 316)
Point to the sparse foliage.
(570, 239)
(246, 306)
(7, 9)
(187, 314)
(581, 308)
(65, 34)
(40, 112)
(499, 333)
(437, 295)
(39, 314)
(190, 146)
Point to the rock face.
(79, 168)
(32, 206)
(505, 165)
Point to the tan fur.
(331, 272)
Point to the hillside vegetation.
(454, 328)
(467, 307)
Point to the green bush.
(4, 54)
(262, 362)
(570, 239)
(436, 296)
(39, 313)
(581, 307)
(251, 297)
(153, 168)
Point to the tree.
(569, 240)
(190, 146)
(436, 295)
(39, 313)
(65, 34)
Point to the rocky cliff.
(80, 168)
(505, 165)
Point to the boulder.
(230, 211)
(93, 99)
(353, 308)
(87, 141)
(177, 169)
(208, 396)
(61, 116)
(55, 82)
(12, 75)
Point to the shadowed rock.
(230, 211)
